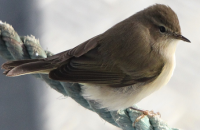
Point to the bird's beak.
(180, 37)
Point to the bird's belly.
(124, 97)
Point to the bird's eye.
(162, 29)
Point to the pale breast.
(121, 98)
(162, 79)
(124, 97)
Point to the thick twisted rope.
(14, 47)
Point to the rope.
(14, 47)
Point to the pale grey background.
(61, 25)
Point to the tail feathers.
(12, 64)
(17, 68)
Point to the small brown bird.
(119, 67)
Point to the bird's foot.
(144, 113)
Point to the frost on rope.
(12, 46)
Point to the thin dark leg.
(137, 109)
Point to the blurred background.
(29, 104)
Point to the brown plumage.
(86, 63)
(118, 57)
(138, 51)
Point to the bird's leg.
(144, 113)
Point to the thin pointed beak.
(180, 37)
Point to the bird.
(119, 67)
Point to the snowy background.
(29, 104)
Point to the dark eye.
(162, 29)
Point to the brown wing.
(85, 64)
(88, 69)
(116, 58)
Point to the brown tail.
(22, 67)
